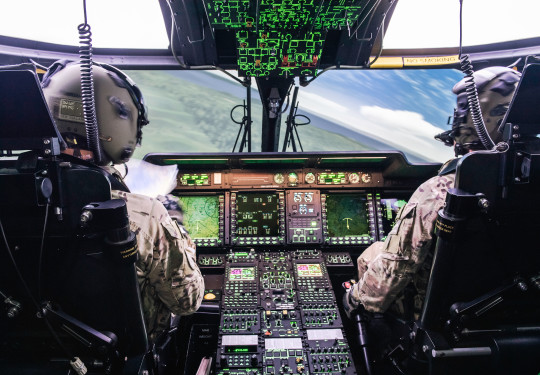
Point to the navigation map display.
(257, 214)
(390, 205)
(348, 215)
(201, 216)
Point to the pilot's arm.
(386, 268)
(167, 270)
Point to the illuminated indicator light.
(209, 296)
(313, 223)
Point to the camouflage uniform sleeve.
(386, 268)
(182, 288)
(167, 267)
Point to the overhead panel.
(281, 37)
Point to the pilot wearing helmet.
(169, 278)
(393, 275)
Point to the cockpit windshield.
(347, 110)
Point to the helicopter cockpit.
(280, 194)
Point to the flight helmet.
(496, 86)
(120, 109)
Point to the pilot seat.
(68, 283)
(481, 313)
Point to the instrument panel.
(278, 217)
(279, 316)
(301, 199)
(276, 235)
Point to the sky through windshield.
(139, 23)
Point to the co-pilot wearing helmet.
(168, 275)
(386, 268)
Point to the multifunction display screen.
(242, 274)
(348, 215)
(201, 216)
(257, 214)
(390, 205)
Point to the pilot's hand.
(348, 305)
(172, 205)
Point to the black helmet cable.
(472, 92)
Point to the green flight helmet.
(119, 107)
(496, 86)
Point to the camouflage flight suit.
(169, 278)
(386, 268)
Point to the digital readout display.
(242, 274)
(241, 349)
(309, 270)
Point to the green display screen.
(257, 214)
(195, 179)
(332, 178)
(241, 349)
(201, 215)
(347, 215)
(390, 207)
